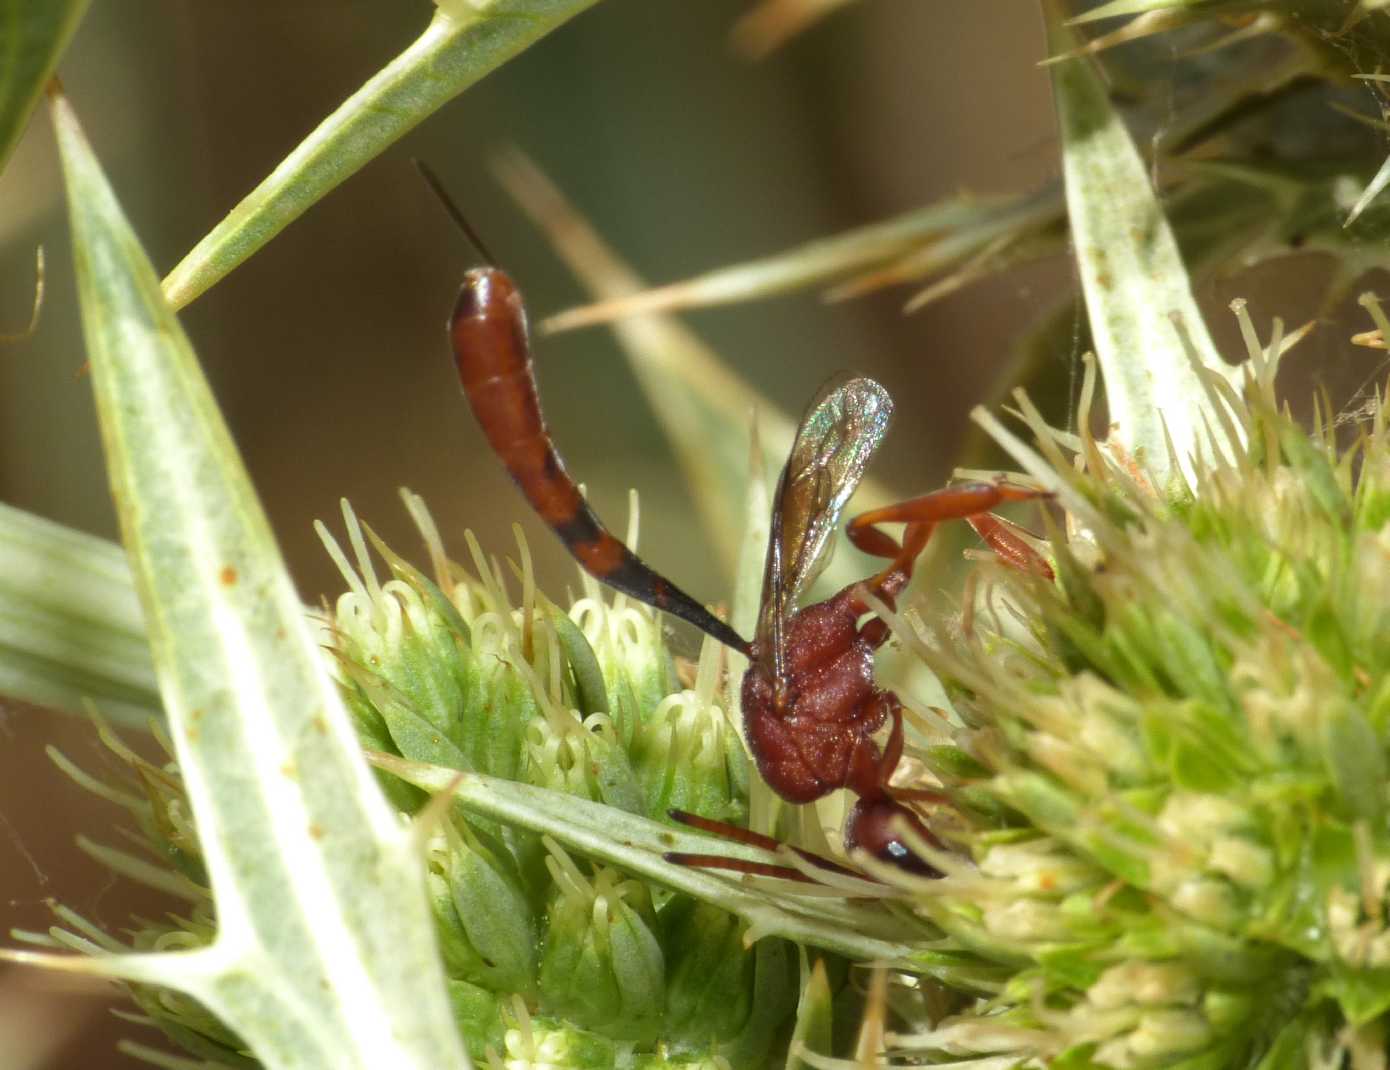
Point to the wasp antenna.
(471, 235)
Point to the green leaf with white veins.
(325, 954)
(1149, 336)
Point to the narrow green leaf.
(33, 34)
(811, 264)
(1137, 292)
(465, 40)
(325, 954)
(71, 630)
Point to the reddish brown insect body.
(811, 715)
(810, 704)
(811, 708)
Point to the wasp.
(811, 707)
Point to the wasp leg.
(964, 501)
(1009, 546)
(886, 764)
(737, 865)
(959, 502)
(752, 839)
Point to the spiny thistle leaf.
(71, 630)
(324, 958)
(1149, 336)
(1226, 214)
(911, 246)
(466, 40)
(33, 34)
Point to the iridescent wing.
(838, 434)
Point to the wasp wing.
(838, 434)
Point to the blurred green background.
(327, 350)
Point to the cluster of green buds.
(552, 961)
(448, 672)
(1168, 844)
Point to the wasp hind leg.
(751, 839)
(964, 501)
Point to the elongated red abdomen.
(492, 350)
(493, 353)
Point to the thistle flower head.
(1168, 766)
